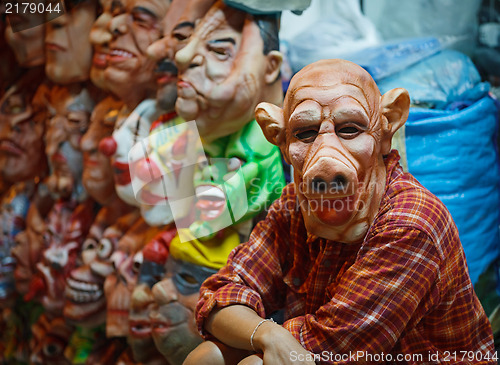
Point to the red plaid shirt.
(404, 290)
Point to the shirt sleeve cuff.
(230, 294)
(294, 326)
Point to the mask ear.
(394, 109)
(273, 66)
(270, 119)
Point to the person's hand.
(279, 346)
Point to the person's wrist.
(263, 335)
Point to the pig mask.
(334, 129)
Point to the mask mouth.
(10, 147)
(82, 292)
(122, 173)
(139, 328)
(211, 201)
(99, 59)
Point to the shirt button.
(296, 281)
(327, 263)
(207, 296)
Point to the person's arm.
(236, 299)
(253, 274)
(386, 292)
(241, 327)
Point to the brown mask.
(134, 26)
(25, 35)
(178, 25)
(70, 109)
(22, 115)
(119, 285)
(85, 303)
(98, 177)
(100, 38)
(67, 45)
(152, 270)
(335, 129)
(29, 248)
(224, 73)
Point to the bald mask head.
(334, 129)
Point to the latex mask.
(70, 109)
(119, 285)
(225, 71)
(152, 270)
(241, 177)
(334, 129)
(97, 177)
(25, 34)
(134, 26)
(67, 46)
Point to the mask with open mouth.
(67, 227)
(241, 177)
(120, 283)
(152, 270)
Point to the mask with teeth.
(133, 27)
(242, 174)
(119, 284)
(67, 227)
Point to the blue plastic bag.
(439, 81)
(395, 56)
(453, 154)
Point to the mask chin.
(126, 193)
(157, 215)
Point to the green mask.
(242, 177)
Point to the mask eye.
(105, 248)
(307, 135)
(181, 36)
(190, 279)
(138, 259)
(348, 132)
(234, 163)
(52, 349)
(202, 163)
(89, 244)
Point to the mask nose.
(337, 184)
(188, 56)
(107, 146)
(141, 297)
(147, 170)
(165, 292)
(329, 176)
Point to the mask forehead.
(324, 85)
(328, 98)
